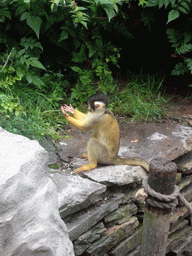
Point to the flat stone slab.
(171, 143)
(76, 193)
(117, 175)
(168, 141)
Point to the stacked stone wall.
(108, 221)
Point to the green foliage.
(179, 34)
(30, 112)
(33, 12)
(189, 64)
(100, 72)
(141, 98)
(181, 43)
(10, 105)
(179, 7)
(30, 94)
(179, 69)
(25, 57)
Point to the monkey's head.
(99, 99)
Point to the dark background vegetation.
(63, 51)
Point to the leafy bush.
(33, 114)
(179, 31)
(28, 106)
(30, 93)
(89, 81)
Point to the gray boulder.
(29, 216)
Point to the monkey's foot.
(85, 168)
(84, 156)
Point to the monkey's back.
(107, 132)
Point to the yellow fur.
(103, 145)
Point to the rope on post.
(159, 200)
(161, 193)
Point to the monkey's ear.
(99, 104)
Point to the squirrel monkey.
(103, 145)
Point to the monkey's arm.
(75, 113)
(79, 115)
(80, 124)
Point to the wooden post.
(162, 176)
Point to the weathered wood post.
(162, 176)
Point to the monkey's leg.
(96, 153)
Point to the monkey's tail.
(131, 161)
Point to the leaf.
(173, 14)
(151, 3)
(91, 52)
(179, 69)
(160, 3)
(64, 35)
(21, 53)
(189, 64)
(5, 13)
(99, 43)
(54, 7)
(180, 8)
(82, 8)
(24, 16)
(21, 9)
(76, 69)
(73, 95)
(36, 63)
(187, 37)
(172, 2)
(185, 5)
(38, 44)
(28, 77)
(110, 12)
(34, 22)
(35, 80)
(184, 48)
(166, 3)
(16, 113)
(23, 59)
(84, 24)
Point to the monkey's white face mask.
(99, 105)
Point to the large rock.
(29, 216)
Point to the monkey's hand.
(69, 109)
(63, 111)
